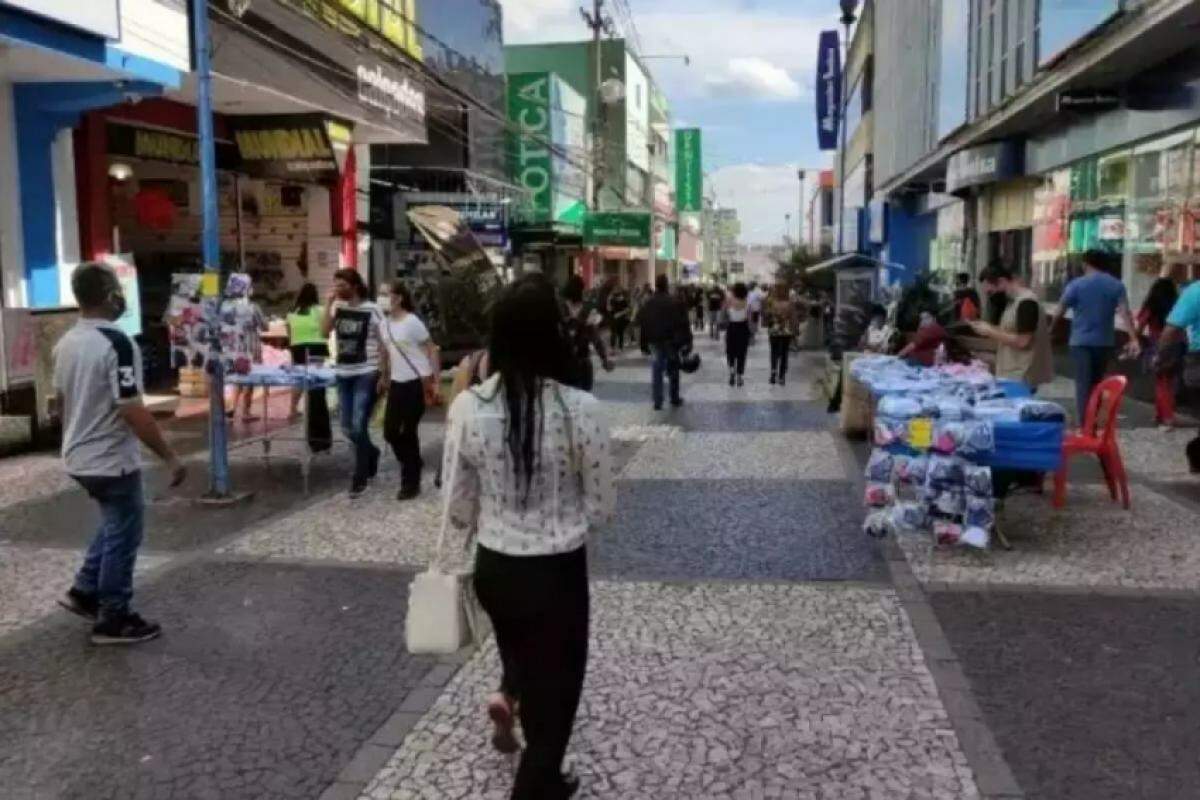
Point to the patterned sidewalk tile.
(825, 696)
(33, 578)
(1156, 454)
(808, 455)
(1090, 543)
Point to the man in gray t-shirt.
(98, 378)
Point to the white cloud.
(772, 52)
(754, 79)
(762, 194)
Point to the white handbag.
(442, 611)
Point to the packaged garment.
(909, 517)
(880, 466)
(978, 480)
(944, 472)
(979, 439)
(945, 532)
(1033, 410)
(975, 537)
(878, 495)
(878, 524)
(981, 513)
(889, 431)
(950, 503)
(911, 470)
(899, 407)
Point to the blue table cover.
(312, 377)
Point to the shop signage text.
(621, 228)
(530, 159)
(689, 175)
(392, 95)
(829, 89)
(981, 165)
(394, 20)
(291, 145)
(1088, 100)
(154, 145)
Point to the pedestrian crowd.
(527, 464)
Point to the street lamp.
(800, 217)
(787, 228)
(848, 19)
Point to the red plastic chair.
(1098, 436)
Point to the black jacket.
(665, 321)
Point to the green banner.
(689, 173)
(617, 228)
(530, 157)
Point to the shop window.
(1051, 227)
(1158, 219)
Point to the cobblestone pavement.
(749, 641)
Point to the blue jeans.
(665, 363)
(107, 570)
(1091, 364)
(357, 396)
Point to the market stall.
(948, 440)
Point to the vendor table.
(305, 379)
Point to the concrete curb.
(374, 753)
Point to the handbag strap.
(387, 329)
(569, 425)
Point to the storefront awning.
(844, 261)
(275, 60)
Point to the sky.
(749, 87)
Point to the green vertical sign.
(689, 175)
(530, 157)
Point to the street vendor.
(930, 335)
(1023, 336)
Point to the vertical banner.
(829, 89)
(689, 174)
(530, 156)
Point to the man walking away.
(716, 301)
(98, 379)
(1095, 297)
(665, 329)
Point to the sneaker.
(677, 402)
(772, 378)
(500, 712)
(658, 406)
(81, 604)
(357, 489)
(128, 628)
(783, 380)
(732, 380)
(740, 381)
(408, 493)
(373, 470)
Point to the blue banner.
(829, 89)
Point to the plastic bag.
(880, 466)
(909, 517)
(945, 532)
(948, 503)
(981, 513)
(975, 537)
(944, 472)
(979, 438)
(878, 495)
(889, 431)
(878, 524)
(899, 406)
(978, 480)
(912, 470)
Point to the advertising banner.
(689, 170)
(530, 157)
(291, 146)
(155, 145)
(829, 89)
(620, 228)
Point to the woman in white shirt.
(529, 474)
(413, 361)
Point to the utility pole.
(848, 19)
(598, 23)
(218, 459)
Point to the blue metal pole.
(218, 462)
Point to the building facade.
(1057, 127)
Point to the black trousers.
(540, 610)
(737, 342)
(405, 407)
(319, 433)
(780, 347)
(619, 326)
